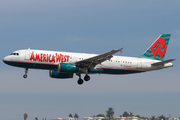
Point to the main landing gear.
(80, 80)
(26, 71)
(86, 77)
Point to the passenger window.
(17, 53)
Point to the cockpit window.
(14, 54)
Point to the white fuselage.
(42, 59)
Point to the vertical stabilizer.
(158, 49)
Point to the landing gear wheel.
(80, 81)
(26, 71)
(86, 77)
(24, 76)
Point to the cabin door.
(27, 54)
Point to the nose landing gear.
(26, 71)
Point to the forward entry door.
(27, 54)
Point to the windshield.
(14, 54)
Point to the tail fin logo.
(159, 47)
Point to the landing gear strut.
(26, 71)
(80, 81)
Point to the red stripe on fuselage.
(29, 63)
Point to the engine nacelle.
(56, 74)
(68, 68)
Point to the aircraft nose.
(5, 59)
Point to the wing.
(90, 63)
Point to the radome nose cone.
(5, 59)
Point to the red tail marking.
(159, 45)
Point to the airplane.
(63, 65)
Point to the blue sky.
(88, 27)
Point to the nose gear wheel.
(26, 71)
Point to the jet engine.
(68, 68)
(56, 74)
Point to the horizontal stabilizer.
(163, 62)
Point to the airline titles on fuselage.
(42, 57)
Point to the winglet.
(120, 49)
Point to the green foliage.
(70, 115)
(138, 116)
(144, 117)
(162, 117)
(36, 118)
(100, 115)
(125, 114)
(76, 116)
(25, 116)
(153, 118)
(131, 114)
(110, 113)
